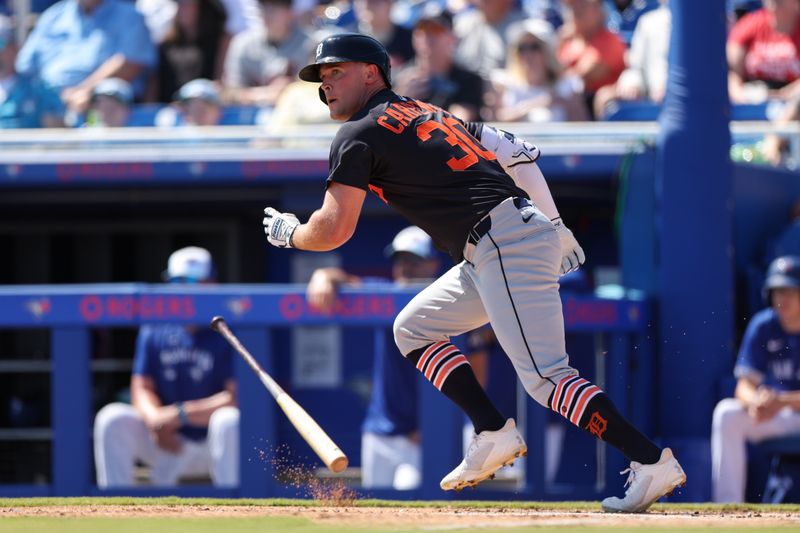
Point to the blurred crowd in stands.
(162, 63)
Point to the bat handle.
(217, 323)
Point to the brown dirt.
(433, 517)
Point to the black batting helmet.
(782, 272)
(344, 47)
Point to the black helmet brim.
(311, 72)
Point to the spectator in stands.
(298, 105)
(483, 34)
(763, 52)
(588, 50)
(199, 103)
(261, 63)
(622, 16)
(78, 43)
(767, 397)
(240, 15)
(434, 76)
(24, 103)
(645, 78)
(191, 48)
(111, 104)
(183, 420)
(531, 88)
(374, 17)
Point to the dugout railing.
(621, 328)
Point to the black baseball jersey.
(424, 162)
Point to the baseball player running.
(479, 194)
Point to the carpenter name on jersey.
(422, 161)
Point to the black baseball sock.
(584, 404)
(602, 420)
(450, 372)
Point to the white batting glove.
(572, 256)
(279, 227)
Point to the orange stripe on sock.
(438, 358)
(587, 395)
(557, 394)
(448, 368)
(427, 353)
(569, 395)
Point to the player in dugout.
(479, 194)
(767, 396)
(183, 420)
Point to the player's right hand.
(279, 227)
(572, 256)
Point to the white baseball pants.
(732, 428)
(390, 462)
(510, 278)
(121, 438)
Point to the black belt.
(485, 224)
(479, 230)
(519, 203)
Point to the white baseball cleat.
(487, 453)
(646, 484)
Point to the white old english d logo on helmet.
(319, 50)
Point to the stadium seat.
(143, 115)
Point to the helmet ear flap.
(322, 96)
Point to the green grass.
(300, 524)
(278, 502)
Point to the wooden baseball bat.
(315, 436)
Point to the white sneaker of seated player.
(646, 484)
(488, 452)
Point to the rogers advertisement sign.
(94, 308)
(294, 306)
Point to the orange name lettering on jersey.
(468, 151)
(400, 114)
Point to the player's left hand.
(572, 256)
(279, 227)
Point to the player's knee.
(401, 329)
(411, 332)
(111, 421)
(728, 414)
(224, 420)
